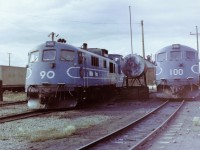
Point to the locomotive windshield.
(190, 55)
(162, 57)
(175, 55)
(34, 56)
(67, 55)
(49, 55)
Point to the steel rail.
(28, 114)
(23, 115)
(92, 144)
(140, 143)
(13, 103)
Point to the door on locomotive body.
(82, 68)
(112, 73)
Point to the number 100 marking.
(176, 72)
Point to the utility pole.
(143, 49)
(197, 37)
(9, 58)
(131, 30)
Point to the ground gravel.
(71, 129)
(183, 132)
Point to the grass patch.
(14, 96)
(43, 135)
(43, 129)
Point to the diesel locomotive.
(61, 75)
(177, 72)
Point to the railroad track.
(134, 135)
(22, 115)
(13, 103)
(28, 114)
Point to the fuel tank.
(133, 66)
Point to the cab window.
(67, 55)
(34, 57)
(162, 57)
(95, 61)
(104, 63)
(49, 55)
(190, 55)
(175, 55)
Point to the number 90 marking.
(176, 72)
(49, 74)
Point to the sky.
(100, 23)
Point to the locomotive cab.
(43, 82)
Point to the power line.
(39, 17)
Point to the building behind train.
(13, 78)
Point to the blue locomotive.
(177, 72)
(60, 75)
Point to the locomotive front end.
(47, 85)
(177, 72)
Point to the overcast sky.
(100, 23)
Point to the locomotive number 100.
(176, 72)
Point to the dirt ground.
(71, 129)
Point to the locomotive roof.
(57, 44)
(176, 47)
(54, 44)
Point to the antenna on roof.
(52, 34)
